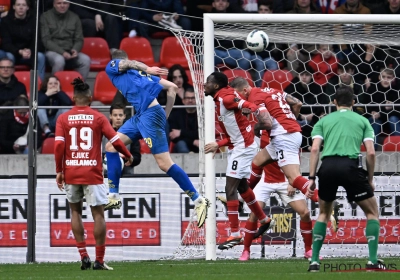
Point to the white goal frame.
(209, 110)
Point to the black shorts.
(343, 171)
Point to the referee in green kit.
(342, 133)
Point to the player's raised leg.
(202, 204)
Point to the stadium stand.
(98, 51)
(139, 48)
(66, 78)
(104, 91)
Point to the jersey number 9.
(85, 139)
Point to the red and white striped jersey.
(283, 120)
(228, 106)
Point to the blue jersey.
(138, 87)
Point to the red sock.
(306, 233)
(255, 176)
(100, 251)
(251, 201)
(301, 184)
(250, 230)
(82, 249)
(233, 214)
(315, 196)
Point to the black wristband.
(311, 177)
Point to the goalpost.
(286, 29)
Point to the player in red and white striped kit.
(242, 149)
(79, 168)
(285, 137)
(275, 181)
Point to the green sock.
(372, 234)
(319, 233)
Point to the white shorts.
(95, 194)
(263, 192)
(285, 148)
(239, 161)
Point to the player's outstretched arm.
(172, 89)
(294, 103)
(126, 64)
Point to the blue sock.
(114, 171)
(183, 181)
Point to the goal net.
(308, 56)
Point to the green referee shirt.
(343, 132)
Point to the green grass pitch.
(290, 269)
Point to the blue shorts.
(149, 125)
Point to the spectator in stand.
(63, 39)
(18, 37)
(324, 64)
(117, 119)
(329, 7)
(309, 93)
(250, 6)
(383, 93)
(298, 54)
(14, 128)
(178, 76)
(170, 14)
(263, 60)
(345, 76)
(233, 54)
(98, 24)
(184, 126)
(392, 7)
(4, 7)
(352, 52)
(50, 94)
(265, 6)
(10, 87)
(197, 8)
(373, 60)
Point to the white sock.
(198, 200)
(114, 195)
(235, 234)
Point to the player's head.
(215, 82)
(344, 96)
(119, 54)
(117, 115)
(241, 86)
(82, 94)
